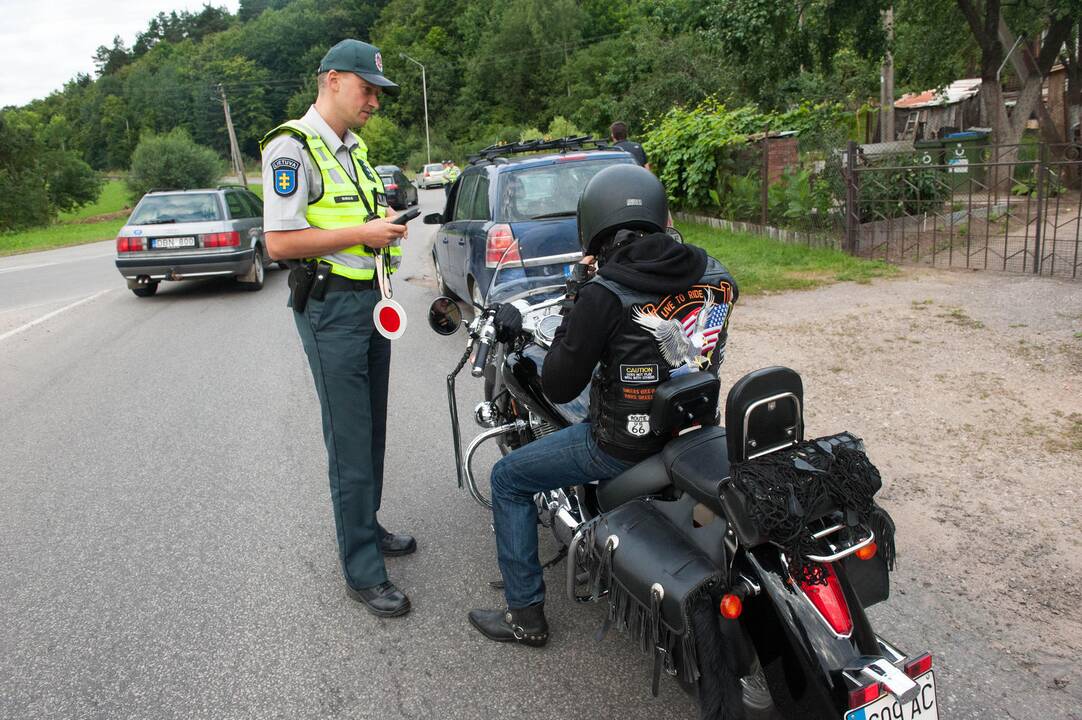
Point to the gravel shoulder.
(968, 391)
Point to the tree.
(172, 161)
(71, 182)
(1052, 18)
(109, 60)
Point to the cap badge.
(379, 62)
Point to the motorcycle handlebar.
(484, 344)
(480, 358)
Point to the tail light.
(130, 244)
(392, 186)
(426, 173)
(864, 695)
(499, 239)
(867, 552)
(565, 158)
(918, 666)
(830, 602)
(224, 239)
(731, 606)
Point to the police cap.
(361, 59)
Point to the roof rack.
(560, 144)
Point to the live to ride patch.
(638, 373)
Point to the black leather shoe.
(522, 625)
(393, 545)
(383, 600)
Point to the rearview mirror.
(433, 219)
(444, 315)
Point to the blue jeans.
(568, 457)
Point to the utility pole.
(886, 82)
(424, 94)
(234, 149)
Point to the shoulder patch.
(285, 175)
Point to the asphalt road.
(167, 546)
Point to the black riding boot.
(522, 625)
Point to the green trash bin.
(963, 153)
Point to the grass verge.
(763, 265)
(114, 198)
(59, 235)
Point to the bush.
(561, 127)
(72, 183)
(172, 161)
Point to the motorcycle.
(748, 589)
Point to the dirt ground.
(967, 388)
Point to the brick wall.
(781, 154)
(1055, 86)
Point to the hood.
(655, 263)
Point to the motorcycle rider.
(645, 280)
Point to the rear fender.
(803, 658)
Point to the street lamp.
(424, 91)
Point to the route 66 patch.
(638, 425)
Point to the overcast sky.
(46, 42)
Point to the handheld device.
(405, 217)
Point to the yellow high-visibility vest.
(344, 203)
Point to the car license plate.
(887, 708)
(173, 243)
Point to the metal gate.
(1014, 208)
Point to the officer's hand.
(508, 322)
(379, 233)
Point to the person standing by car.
(618, 137)
(645, 280)
(325, 208)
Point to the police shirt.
(288, 212)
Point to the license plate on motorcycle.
(173, 243)
(887, 708)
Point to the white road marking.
(50, 264)
(54, 313)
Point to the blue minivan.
(500, 200)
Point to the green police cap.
(360, 58)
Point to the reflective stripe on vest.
(341, 204)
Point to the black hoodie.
(655, 264)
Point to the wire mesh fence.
(1013, 208)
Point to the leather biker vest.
(658, 337)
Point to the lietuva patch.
(638, 374)
(285, 175)
(346, 198)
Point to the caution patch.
(635, 374)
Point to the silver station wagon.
(189, 234)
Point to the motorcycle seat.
(697, 464)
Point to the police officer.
(618, 137)
(324, 208)
(645, 281)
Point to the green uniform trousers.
(350, 364)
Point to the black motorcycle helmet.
(620, 197)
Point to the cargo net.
(785, 491)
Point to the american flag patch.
(715, 323)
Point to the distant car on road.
(401, 193)
(504, 198)
(432, 175)
(188, 234)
